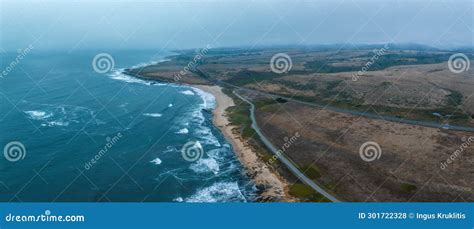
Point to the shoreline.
(274, 186)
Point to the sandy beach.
(275, 186)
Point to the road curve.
(282, 157)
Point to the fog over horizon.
(82, 25)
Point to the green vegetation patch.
(281, 100)
(386, 84)
(239, 115)
(305, 192)
(311, 171)
(455, 98)
(264, 102)
(266, 105)
(408, 188)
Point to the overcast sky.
(192, 24)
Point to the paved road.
(283, 158)
(363, 114)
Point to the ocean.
(71, 132)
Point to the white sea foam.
(119, 75)
(179, 199)
(57, 123)
(170, 149)
(39, 115)
(206, 136)
(215, 153)
(205, 165)
(197, 116)
(50, 115)
(218, 192)
(183, 131)
(154, 115)
(204, 132)
(187, 92)
(209, 102)
(156, 161)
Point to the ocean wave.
(183, 131)
(197, 116)
(39, 115)
(203, 131)
(187, 92)
(205, 165)
(218, 192)
(50, 115)
(156, 161)
(207, 136)
(119, 75)
(58, 123)
(215, 153)
(178, 199)
(170, 149)
(209, 102)
(154, 115)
